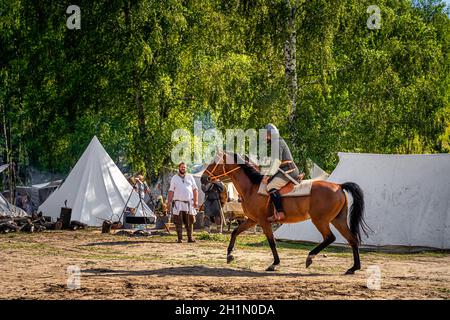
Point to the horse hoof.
(271, 268)
(230, 258)
(350, 271)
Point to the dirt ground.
(35, 266)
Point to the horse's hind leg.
(340, 223)
(239, 229)
(328, 238)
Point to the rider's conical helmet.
(272, 129)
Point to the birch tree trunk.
(143, 133)
(142, 137)
(290, 55)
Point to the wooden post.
(106, 226)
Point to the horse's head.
(223, 164)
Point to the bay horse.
(327, 203)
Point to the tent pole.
(126, 203)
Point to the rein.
(225, 173)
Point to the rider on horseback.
(282, 165)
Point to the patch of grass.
(444, 290)
(101, 250)
(406, 255)
(209, 253)
(22, 245)
(216, 237)
(16, 235)
(9, 235)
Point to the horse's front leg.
(267, 228)
(241, 228)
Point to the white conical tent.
(197, 177)
(95, 190)
(317, 173)
(407, 200)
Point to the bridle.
(225, 173)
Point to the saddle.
(290, 189)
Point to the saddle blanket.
(290, 190)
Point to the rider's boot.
(276, 200)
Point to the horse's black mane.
(252, 173)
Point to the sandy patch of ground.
(34, 266)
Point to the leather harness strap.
(225, 173)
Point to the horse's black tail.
(357, 223)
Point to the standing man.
(213, 207)
(182, 200)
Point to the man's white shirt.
(183, 193)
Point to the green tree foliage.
(137, 70)
(364, 90)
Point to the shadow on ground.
(194, 271)
(127, 242)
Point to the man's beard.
(181, 172)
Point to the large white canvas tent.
(95, 189)
(407, 200)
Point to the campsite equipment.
(28, 224)
(140, 204)
(161, 221)
(106, 226)
(75, 225)
(8, 226)
(199, 220)
(407, 200)
(95, 189)
(116, 225)
(138, 220)
(127, 213)
(169, 224)
(222, 216)
(161, 211)
(327, 203)
(65, 216)
(58, 225)
(38, 193)
(141, 233)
